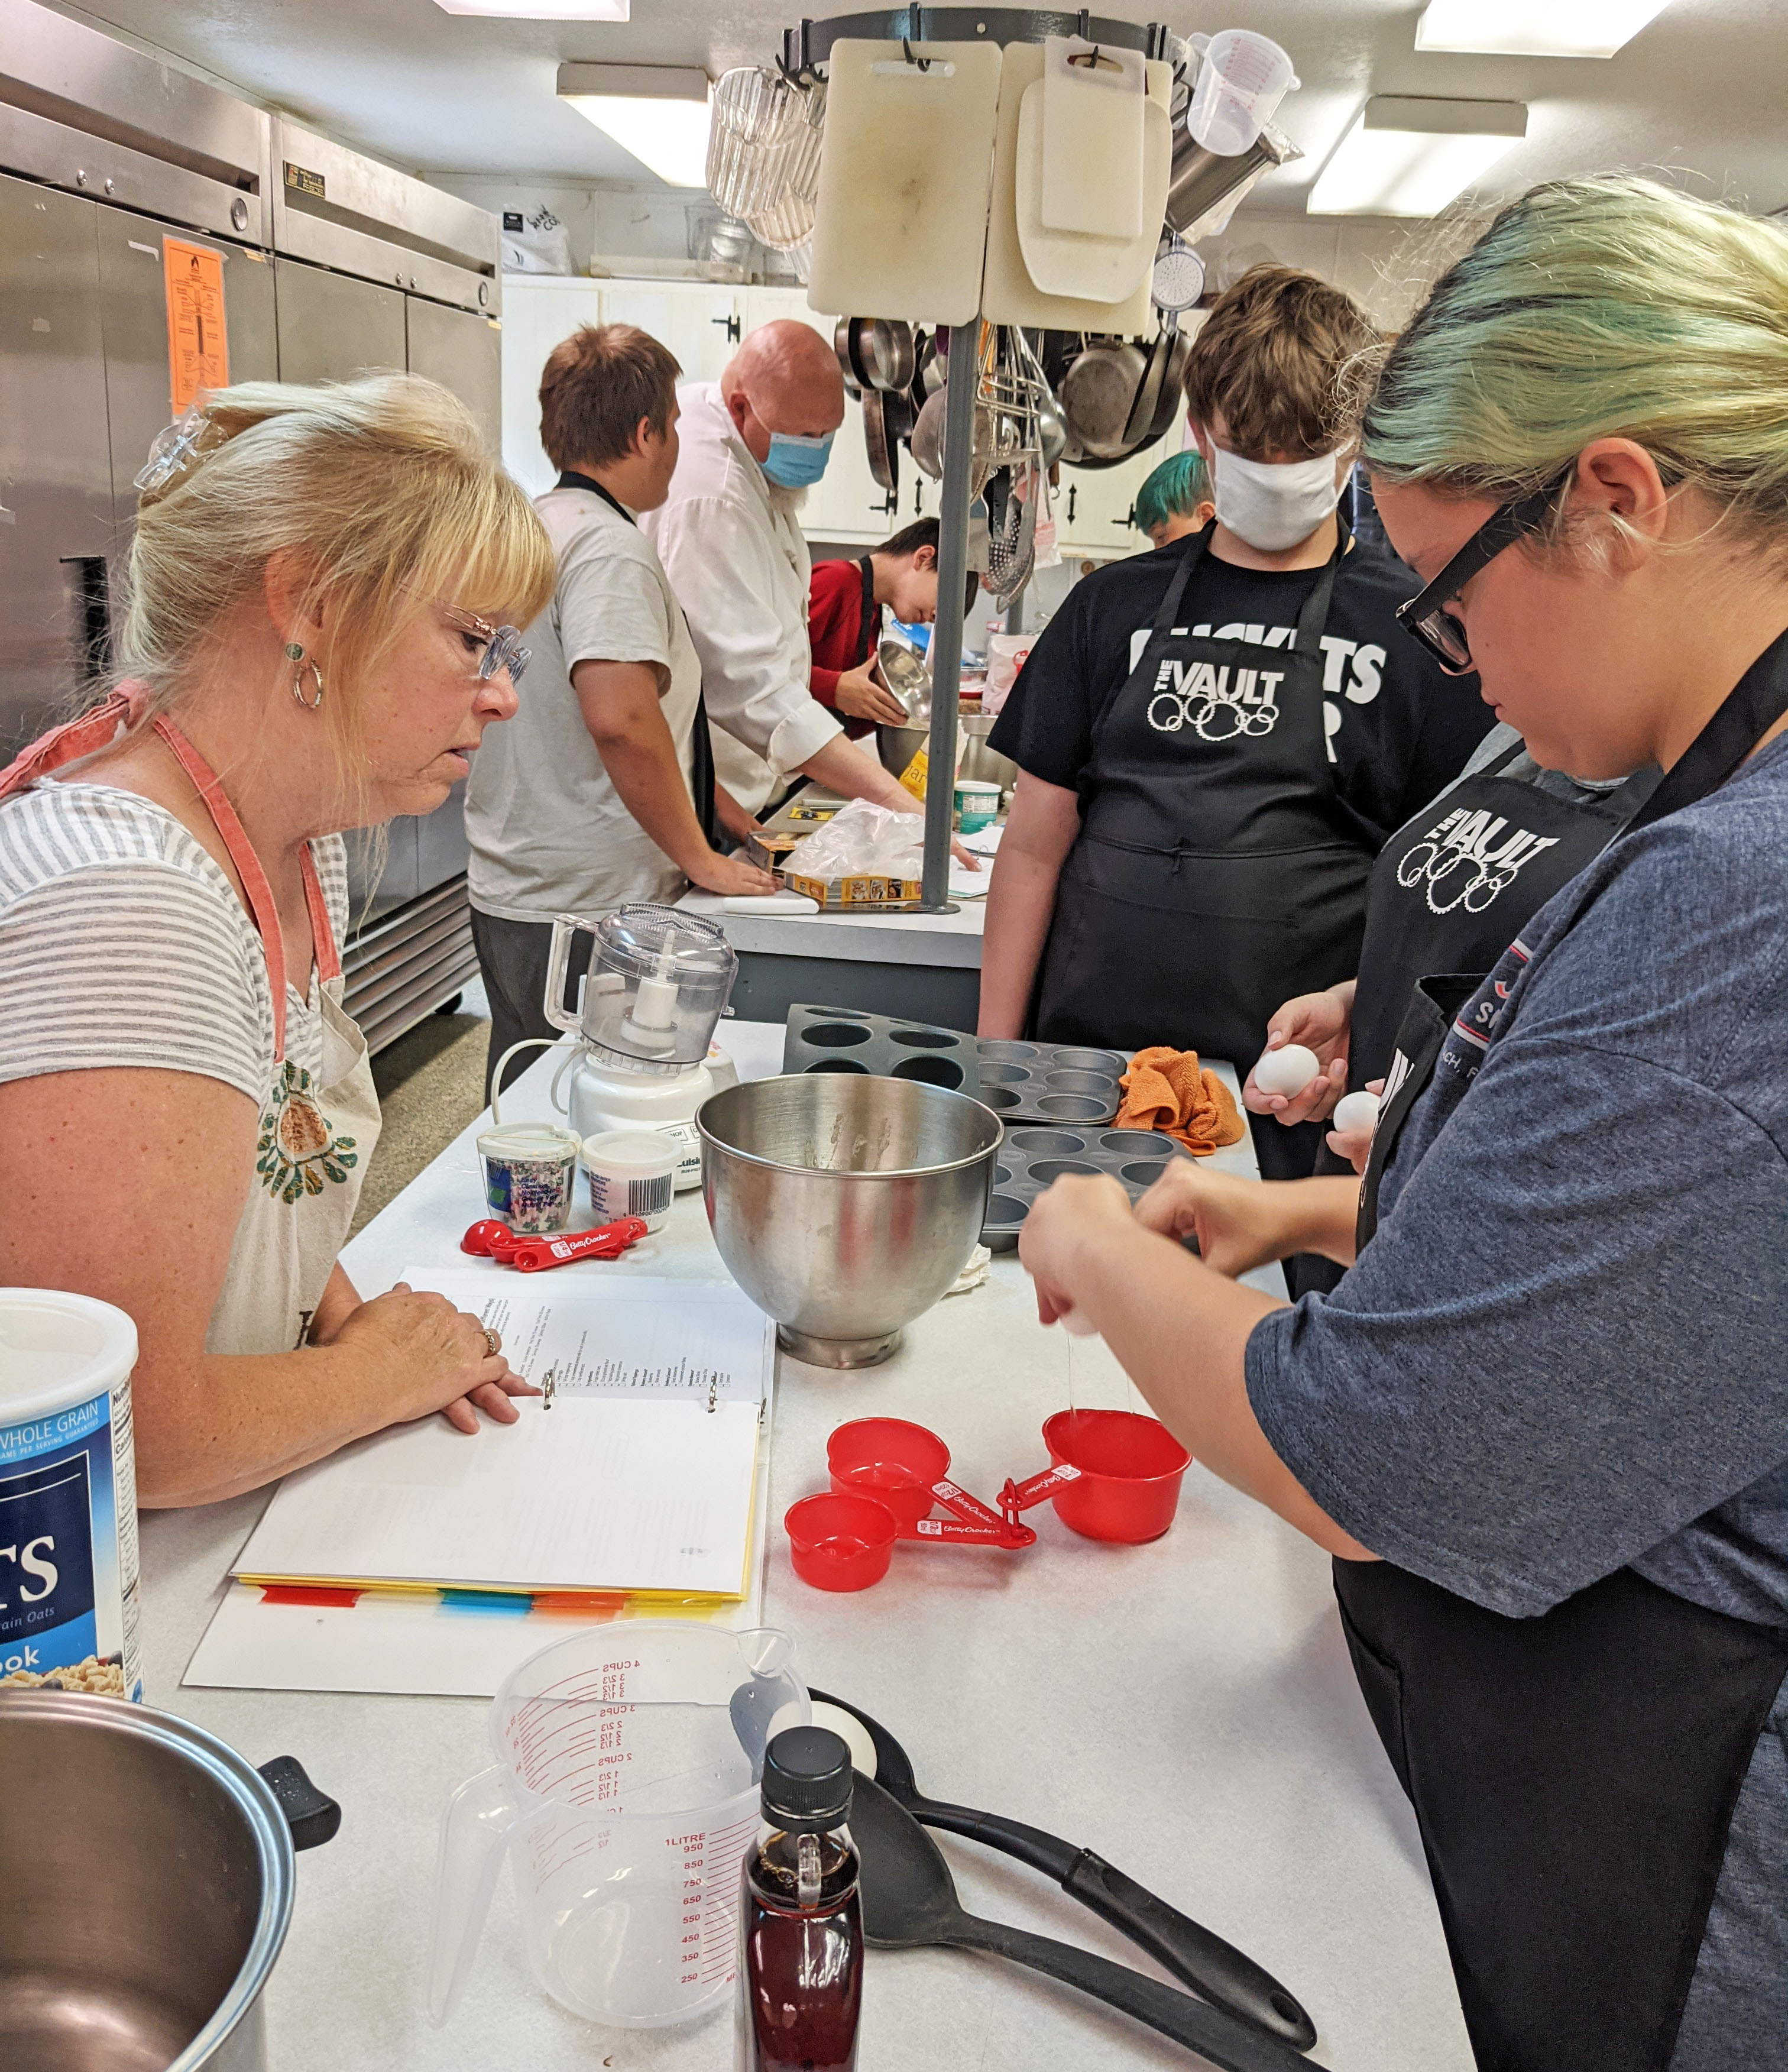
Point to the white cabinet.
(701, 324)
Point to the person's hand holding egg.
(1303, 1071)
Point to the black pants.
(513, 957)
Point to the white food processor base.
(601, 1096)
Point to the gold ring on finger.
(493, 1345)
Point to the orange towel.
(1166, 1090)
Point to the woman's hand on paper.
(436, 1357)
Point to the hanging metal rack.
(806, 46)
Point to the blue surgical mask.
(794, 461)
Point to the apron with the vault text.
(1574, 1775)
(1214, 874)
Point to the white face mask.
(1273, 504)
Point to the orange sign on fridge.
(197, 344)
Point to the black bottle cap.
(807, 1781)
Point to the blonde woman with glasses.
(321, 584)
(1542, 1423)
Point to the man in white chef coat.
(731, 543)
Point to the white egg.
(1358, 1111)
(1286, 1071)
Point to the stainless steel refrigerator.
(328, 263)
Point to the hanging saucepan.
(854, 382)
(897, 417)
(1150, 389)
(881, 351)
(1098, 393)
(884, 461)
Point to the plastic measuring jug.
(624, 1793)
(1240, 83)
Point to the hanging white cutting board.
(1092, 113)
(1009, 295)
(1091, 266)
(905, 172)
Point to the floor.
(431, 1084)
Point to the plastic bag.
(861, 840)
(538, 244)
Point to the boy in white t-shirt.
(601, 791)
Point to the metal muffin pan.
(1033, 1154)
(850, 1039)
(1049, 1082)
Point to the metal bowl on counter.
(844, 1204)
(146, 1887)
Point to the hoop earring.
(294, 653)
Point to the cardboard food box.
(858, 891)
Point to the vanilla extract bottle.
(800, 1922)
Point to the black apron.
(702, 744)
(1215, 873)
(1574, 1775)
(1449, 892)
(868, 627)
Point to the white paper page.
(594, 1494)
(633, 1335)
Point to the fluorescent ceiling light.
(1534, 28)
(541, 10)
(1407, 156)
(657, 112)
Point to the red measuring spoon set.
(491, 1240)
(1113, 1476)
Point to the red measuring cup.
(1115, 1475)
(906, 1468)
(491, 1240)
(839, 1542)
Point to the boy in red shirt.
(845, 601)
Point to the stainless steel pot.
(979, 761)
(146, 1887)
(844, 1203)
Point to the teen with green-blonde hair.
(1542, 1423)
(1175, 499)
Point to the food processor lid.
(635, 938)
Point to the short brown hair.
(1269, 360)
(595, 388)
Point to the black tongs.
(1211, 1966)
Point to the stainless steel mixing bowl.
(844, 1204)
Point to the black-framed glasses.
(1425, 615)
(503, 647)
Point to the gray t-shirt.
(1563, 1352)
(549, 832)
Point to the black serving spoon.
(1205, 1961)
(910, 1902)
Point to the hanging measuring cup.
(1114, 1475)
(1241, 81)
(624, 1793)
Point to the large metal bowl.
(844, 1204)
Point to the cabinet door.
(538, 311)
(700, 323)
(56, 467)
(134, 315)
(331, 326)
(462, 350)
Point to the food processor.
(657, 982)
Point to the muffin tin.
(850, 1039)
(1049, 1082)
(1033, 1154)
(1042, 1082)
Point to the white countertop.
(952, 939)
(1186, 1708)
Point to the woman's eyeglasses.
(1426, 616)
(502, 644)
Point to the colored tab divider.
(591, 1607)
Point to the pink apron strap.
(95, 729)
(254, 881)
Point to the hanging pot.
(1098, 393)
(1149, 389)
(882, 350)
(884, 455)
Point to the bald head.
(784, 378)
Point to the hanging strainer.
(763, 153)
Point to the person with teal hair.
(1175, 500)
(1542, 1422)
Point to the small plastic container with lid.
(631, 1172)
